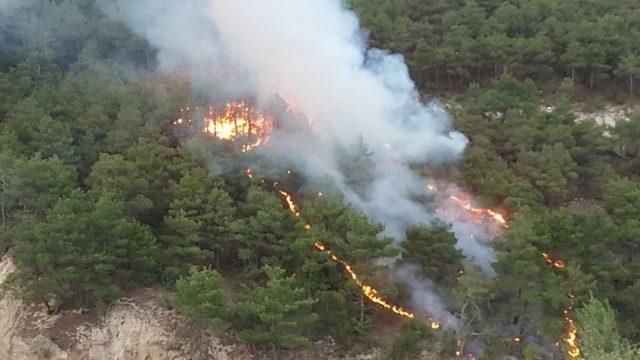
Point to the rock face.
(139, 328)
(608, 116)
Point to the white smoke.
(423, 296)
(314, 54)
(7, 5)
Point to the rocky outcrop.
(139, 327)
(136, 328)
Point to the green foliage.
(433, 249)
(98, 196)
(34, 185)
(209, 211)
(449, 44)
(345, 231)
(82, 252)
(340, 314)
(407, 344)
(599, 335)
(627, 145)
(58, 31)
(505, 94)
(200, 296)
(181, 245)
(266, 232)
(277, 313)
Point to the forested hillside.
(101, 193)
(449, 44)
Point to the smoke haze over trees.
(100, 193)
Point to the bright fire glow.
(290, 203)
(371, 293)
(558, 264)
(368, 291)
(465, 204)
(462, 200)
(571, 335)
(571, 338)
(236, 121)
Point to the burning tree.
(236, 121)
(239, 120)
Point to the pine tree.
(277, 313)
(599, 335)
(433, 248)
(200, 296)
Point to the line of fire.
(236, 121)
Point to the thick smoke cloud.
(7, 4)
(314, 54)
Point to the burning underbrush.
(458, 205)
(236, 121)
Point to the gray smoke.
(9, 4)
(424, 296)
(314, 54)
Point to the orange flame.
(480, 211)
(571, 336)
(290, 203)
(571, 339)
(368, 291)
(238, 119)
(558, 264)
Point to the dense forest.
(99, 194)
(450, 44)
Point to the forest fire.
(571, 335)
(236, 121)
(558, 264)
(484, 212)
(571, 338)
(290, 203)
(368, 291)
(462, 200)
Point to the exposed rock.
(139, 327)
(136, 328)
(608, 116)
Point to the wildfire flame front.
(368, 291)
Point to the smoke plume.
(313, 54)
